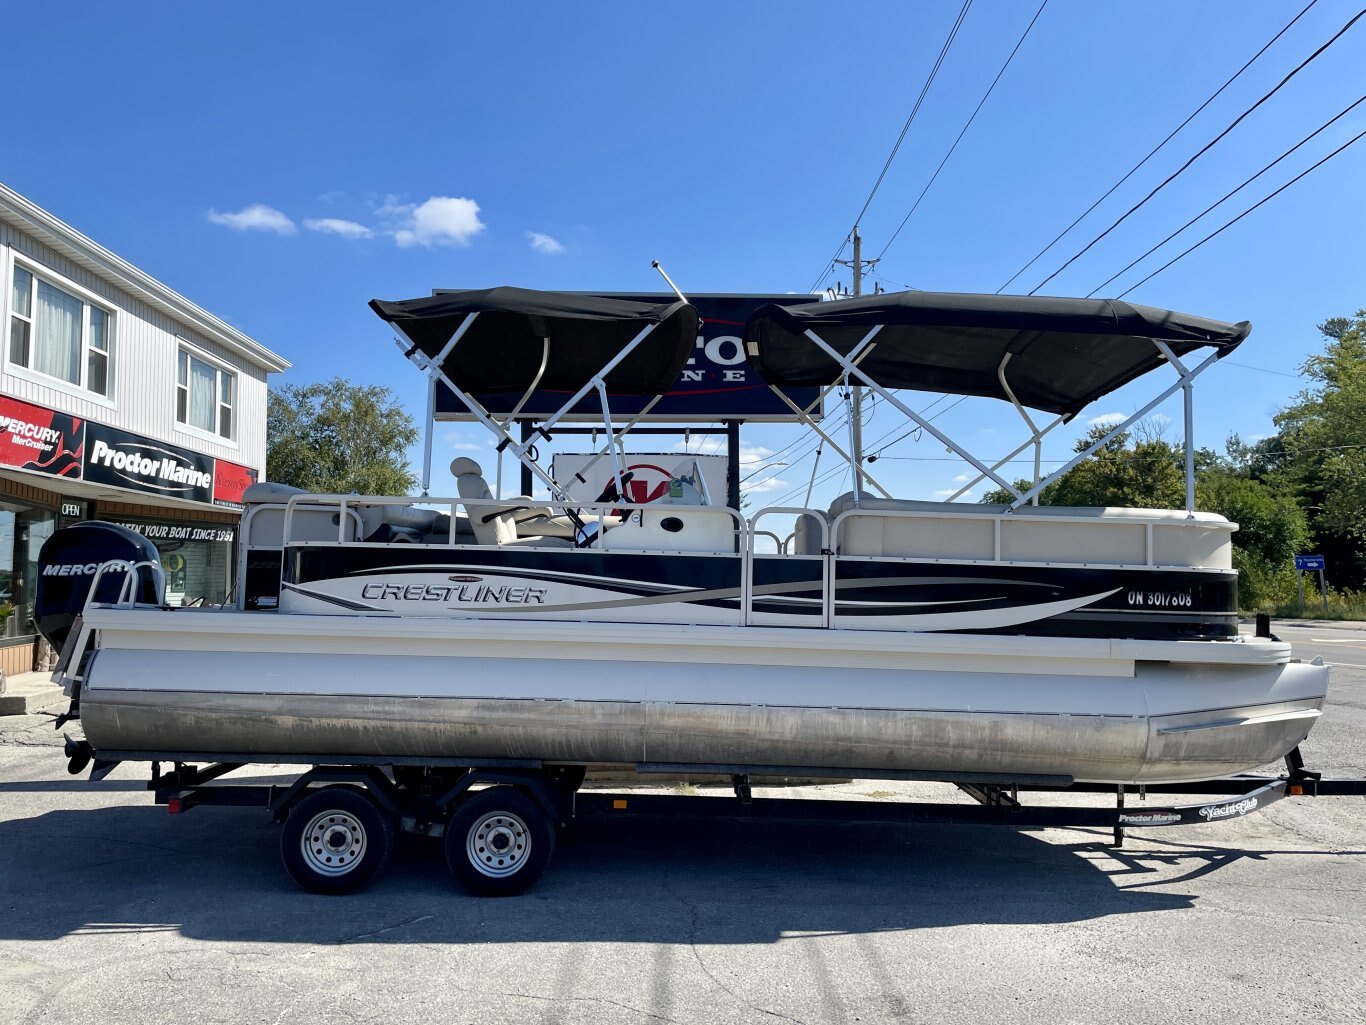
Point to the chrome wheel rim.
(334, 843)
(498, 844)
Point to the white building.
(119, 400)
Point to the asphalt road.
(112, 911)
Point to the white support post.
(1036, 440)
(1033, 430)
(1184, 381)
(911, 414)
(427, 441)
(564, 410)
(1188, 401)
(413, 350)
(624, 430)
(805, 418)
(611, 441)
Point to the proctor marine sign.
(42, 440)
(131, 461)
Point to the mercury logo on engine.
(71, 569)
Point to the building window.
(23, 529)
(59, 334)
(204, 395)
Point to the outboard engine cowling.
(67, 566)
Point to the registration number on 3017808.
(1160, 599)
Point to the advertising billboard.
(40, 440)
(716, 384)
(131, 461)
(650, 473)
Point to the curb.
(26, 693)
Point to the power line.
(924, 91)
(1151, 153)
(1249, 210)
(1202, 151)
(1228, 195)
(1264, 370)
(973, 117)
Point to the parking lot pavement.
(112, 910)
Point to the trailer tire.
(498, 842)
(335, 840)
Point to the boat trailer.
(495, 813)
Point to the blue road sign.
(1308, 562)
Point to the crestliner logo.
(464, 595)
(1149, 818)
(1215, 812)
(163, 470)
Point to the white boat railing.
(1127, 539)
(128, 587)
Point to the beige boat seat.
(496, 524)
(1052, 534)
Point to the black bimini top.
(1064, 353)
(503, 348)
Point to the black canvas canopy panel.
(1064, 353)
(503, 349)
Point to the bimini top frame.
(519, 340)
(1051, 354)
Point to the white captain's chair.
(496, 524)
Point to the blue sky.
(283, 164)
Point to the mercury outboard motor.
(68, 564)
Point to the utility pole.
(856, 412)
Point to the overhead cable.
(1235, 220)
(972, 118)
(1202, 151)
(924, 91)
(1226, 196)
(1153, 152)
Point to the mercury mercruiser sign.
(130, 461)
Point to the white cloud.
(761, 485)
(440, 221)
(337, 226)
(1106, 418)
(961, 478)
(390, 206)
(257, 217)
(333, 196)
(545, 244)
(751, 456)
(465, 446)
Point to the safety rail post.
(826, 557)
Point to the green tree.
(1324, 430)
(338, 437)
(1145, 475)
(1323, 437)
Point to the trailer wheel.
(335, 840)
(499, 841)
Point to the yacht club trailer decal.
(130, 461)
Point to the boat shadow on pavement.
(215, 874)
